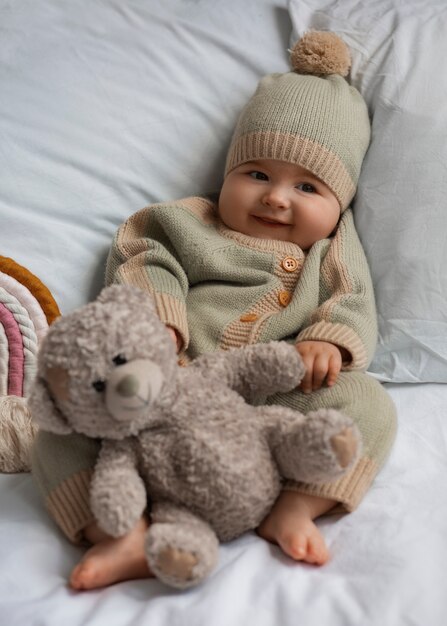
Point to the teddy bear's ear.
(57, 380)
(44, 411)
(126, 295)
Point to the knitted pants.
(63, 464)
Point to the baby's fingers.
(320, 371)
(306, 381)
(333, 371)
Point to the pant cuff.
(347, 491)
(69, 505)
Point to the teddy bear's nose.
(128, 386)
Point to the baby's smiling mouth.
(267, 221)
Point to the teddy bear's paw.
(319, 447)
(181, 555)
(345, 446)
(335, 441)
(272, 367)
(176, 563)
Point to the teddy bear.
(190, 439)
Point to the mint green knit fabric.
(205, 277)
(222, 289)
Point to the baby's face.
(272, 199)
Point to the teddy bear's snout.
(128, 386)
(132, 388)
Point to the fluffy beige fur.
(212, 462)
(17, 432)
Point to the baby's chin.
(281, 236)
(273, 232)
(260, 229)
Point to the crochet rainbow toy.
(26, 310)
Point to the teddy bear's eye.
(99, 385)
(120, 359)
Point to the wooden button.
(289, 264)
(284, 298)
(249, 317)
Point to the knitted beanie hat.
(311, 117)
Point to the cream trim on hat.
(302, 151)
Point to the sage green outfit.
(222, 289)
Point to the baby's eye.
(306, 187)
(258, 175)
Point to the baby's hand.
(175, 338)
(322, 361)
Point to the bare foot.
(290, 525)
(112, 560)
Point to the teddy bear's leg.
(317, 447)
(181, 549)
(117, 492)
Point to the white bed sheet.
(108, 106)
(387, 567)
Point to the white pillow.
(399, 51)
(106, 107)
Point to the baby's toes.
(83, 576)
(317, 552)
(307, 546)
(295, 545)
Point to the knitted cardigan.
(219, 288)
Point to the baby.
(275, 258)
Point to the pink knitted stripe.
(16, 355)
(28, 301)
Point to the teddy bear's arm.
(265, 368)
(117, 495)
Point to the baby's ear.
(43, 409)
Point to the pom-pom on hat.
(320, 53)
(310, 116)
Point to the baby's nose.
(277, 198)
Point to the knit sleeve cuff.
(339, 335)
(172, 312)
